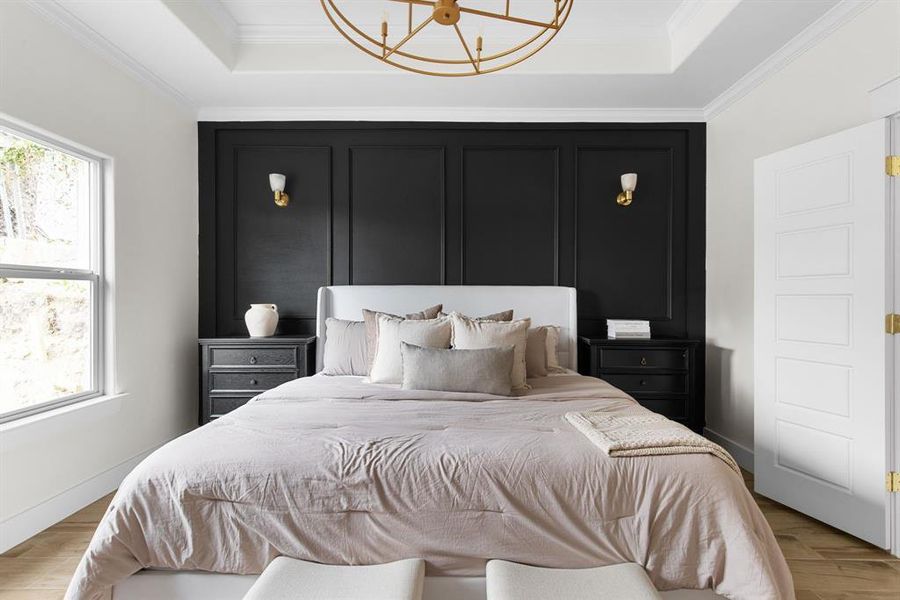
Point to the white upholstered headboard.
(546, 305)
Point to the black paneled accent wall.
(452, 203)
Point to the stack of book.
(622, 329)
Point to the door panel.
(823, 285)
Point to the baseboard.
(26, 524)
(742, 454)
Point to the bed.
(341, 471)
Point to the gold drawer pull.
(252, 360)
(252, 382)
(643, 362)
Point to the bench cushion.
(292, 579)
(512, 581)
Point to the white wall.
(821, 92)
(54, 463)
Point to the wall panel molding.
(458, 203)
(518, 217)
(258, 243)
(399, 214)
(647, 239)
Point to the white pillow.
(387, 367)
(470, 334)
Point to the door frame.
(885, 100)
(892, 193)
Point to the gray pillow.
(345, 348)
(486, 370)
(371, 319)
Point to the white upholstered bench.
(512, 581)
(292, 579)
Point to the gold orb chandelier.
(471, 56)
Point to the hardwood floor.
(826, 564)
(40, 568)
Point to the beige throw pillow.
(553, 365)
(536, 352)
(370, 318)
(470, 334)
(388, 364)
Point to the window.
(51, 278)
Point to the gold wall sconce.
(629, 182)
(277, 181)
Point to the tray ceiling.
(269, 55)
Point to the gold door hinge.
(892, 165)
(892, 323)
(892, 481)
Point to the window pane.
(45, 340)
(44, 205)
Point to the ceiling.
(263, 59)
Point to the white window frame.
(95, 275)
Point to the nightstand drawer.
(222, 405)
(255, 381)
(648, 383)
(643, 358)
(256, 356)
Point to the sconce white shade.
(276, 180)
(629, 182)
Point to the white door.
(823, 359)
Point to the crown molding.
(452, 113)
(320, 32)
(841, 13)
(683, 15)
(885, 99)
(222, 18)
(325, 33)
(54, 12)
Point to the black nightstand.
(233, 370)
(661, 374)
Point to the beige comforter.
(338, 471)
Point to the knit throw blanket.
(643, 434)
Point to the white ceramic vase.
(261, 319)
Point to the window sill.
(61, 418)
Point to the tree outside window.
(50, 274)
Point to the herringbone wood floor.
(826, 564)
